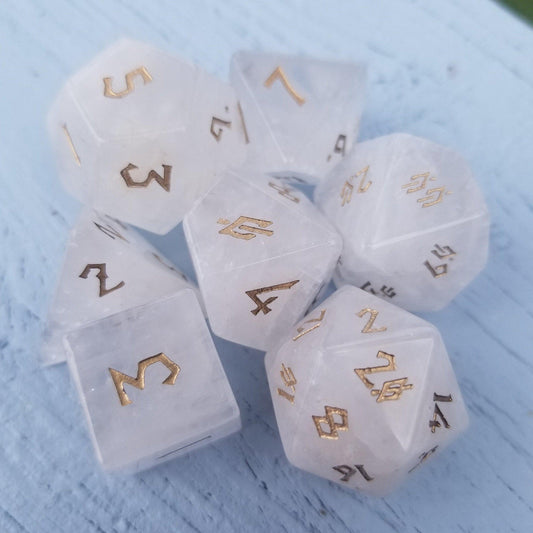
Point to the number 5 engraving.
(278, 74)
(130, 87)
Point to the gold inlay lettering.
(390, 390)
(246, 232)
(316, 324)
(363, 186)
(130, 86)
(102, 278)
(120, 378)
(217, 127)
(437, 413)
(152, 175)
(290, 382)
(244, 129)
(72, 147)
(110, 231)
(368, 328)
(334, 427)
(278, 74)
(263, 306)
(348, 471)
(445, 253)
(432, 196)
(285, 191)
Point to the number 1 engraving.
(72, 147)
(278, 74)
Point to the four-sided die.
(151, 383)
(414, 223)
(140, 134)
(302, 115)
(261, 251)
(108, 267)
(363, 392)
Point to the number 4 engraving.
(278, 74)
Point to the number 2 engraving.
(368, 326)
(102, 278)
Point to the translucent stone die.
(140, 135)
(107, 268)
(414, 223)
(302, 115)
(363, 392)
(261, 251)
(151, 383)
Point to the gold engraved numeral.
(244, 129)
(445, 253)
(263, 306)
(348, 471)
(71, 144)
(368, 328)
(102, 277)
(108, 230)
(433, 196)
(120, 378)
(417, 182)
(130, 86)
(285, 191)
(152, 175)
(250, 232)
(423, 456)
(217, 127)
(290, 381)
(347, 188)
(340, 146)
(334, 427)
(316, 324)
(278, 74)
(437, 413)
(391, 390)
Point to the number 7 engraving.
(279, 74)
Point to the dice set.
(363, 390)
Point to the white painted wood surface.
(457, 71)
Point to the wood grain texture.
(458, 72)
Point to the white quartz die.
(414, 223)
(302, 115)
(363, 392)
(140, 135)
(151, 383)
(261, 251)
(107, 268)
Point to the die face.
(151, 383)
(302, 115)
(412, 219)
(139, 134)
(108, 267)
(261, 252)
(353, 388)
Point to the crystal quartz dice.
(413, 220)
(151, 383)
(261, 251)
(364, 392)
(140, 134)
(107, 268)
(302, 114)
